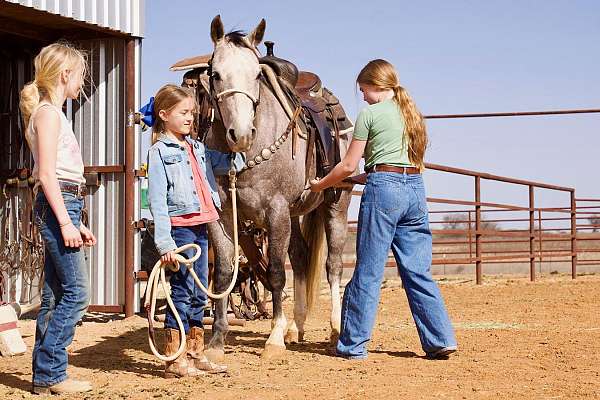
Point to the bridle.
(266, 153)
(218, 97)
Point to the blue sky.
(452, 56)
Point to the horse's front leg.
(278, 226)
(221, 240)
(336, 228)
(298, 253)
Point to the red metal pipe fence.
(479, 240)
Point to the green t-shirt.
(382, 126)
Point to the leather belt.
(79, 190)
(392, 168)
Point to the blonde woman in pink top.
(58, 171)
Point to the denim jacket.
(171, 189)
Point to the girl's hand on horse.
(71, 235)
(315, 185)
(88, 237)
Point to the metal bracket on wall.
(92, 179)
(141, 224)
(140, 173)
(131, 118)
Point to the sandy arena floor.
(517, 339)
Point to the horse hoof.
(272, 352)
(215, 355)
(294, 337)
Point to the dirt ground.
(517, 339)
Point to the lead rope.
(158, 275)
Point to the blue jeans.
(188, 298)
(65, 294)
(393, 214)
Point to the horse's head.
(235, 81)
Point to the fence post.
(540, 238)
(531, 234)
(573, 236)
(478, 272)
(470, 237)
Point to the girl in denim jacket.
(183, 199)
(393, 214)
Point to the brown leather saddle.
(323, 115)
(327, 117)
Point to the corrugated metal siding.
(99, 125)
(125, 16)
(139, 160)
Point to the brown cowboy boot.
(179, 367)
(195, 353)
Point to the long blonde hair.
(382, 75)
(165, 99)
(49, 64)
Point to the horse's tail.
(313, 231)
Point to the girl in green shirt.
(391, 134)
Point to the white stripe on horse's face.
(236, 72)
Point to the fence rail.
(465, 237)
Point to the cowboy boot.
(179, 367)
(195, 353)
(67, 386)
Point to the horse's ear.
(216, 29)
(258, 33)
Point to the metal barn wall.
(98, 123)
(121, 15)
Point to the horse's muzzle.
(238, 141)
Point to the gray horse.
(272, 194)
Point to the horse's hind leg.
(298, 253)
(336, 228)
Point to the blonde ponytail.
(414, 127)
(382, 75)
(30, 97)
(49, 64)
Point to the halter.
(218, 97)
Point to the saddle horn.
(269, 45)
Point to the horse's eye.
(259, 76)
(215, 75)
